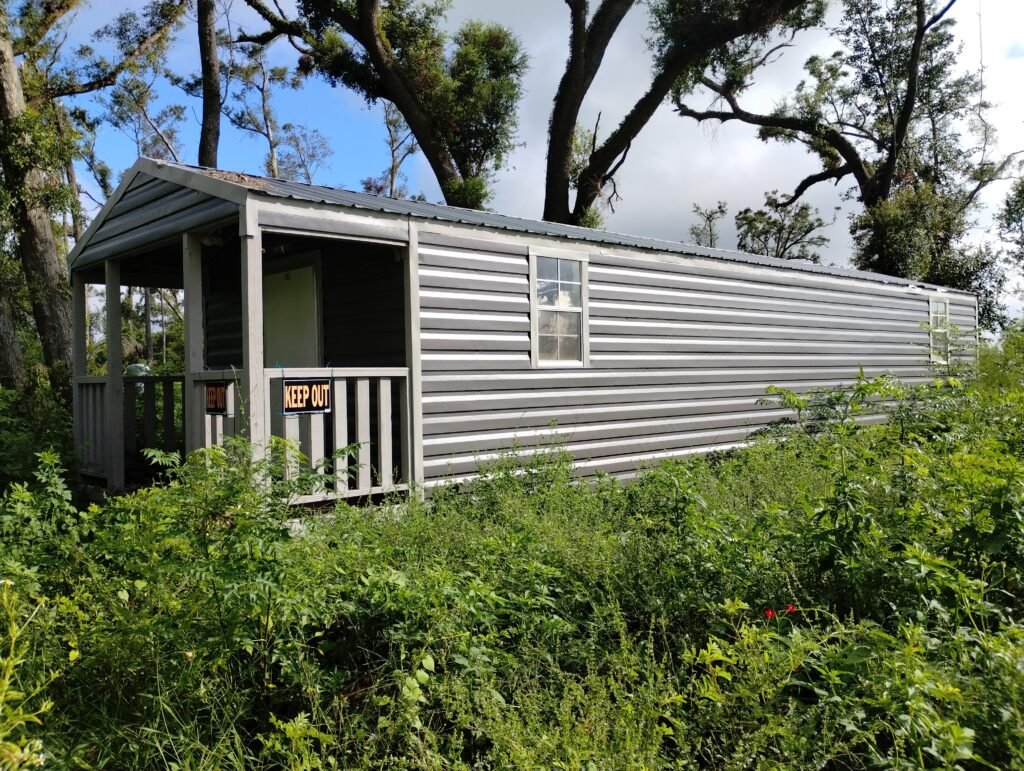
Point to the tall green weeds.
(842, 594)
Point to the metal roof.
(279, 188)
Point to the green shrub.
(31, 421)
(841, 594)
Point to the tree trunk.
(45, 270)
(587, 46)
(708, 32)
(12, 364)
(209, 133)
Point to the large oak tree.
(459, 98)
(36, 75)
(891, 112)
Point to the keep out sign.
(216, 398)
(307, 395)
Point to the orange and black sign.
(217, 398)
(307, 395)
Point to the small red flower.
(769, 614)
(790, 608)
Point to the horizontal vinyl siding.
(681, 353)
(963, 315)
(152, 211)
(475, 310)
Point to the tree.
(209, 63)
(401, 146)
(460, 100)
(13, 373)
(705, 232)
(253, 109)
(457, 95)
(783, 232)
(293, 150)
(687, 37)
(155, 131)
(303, 153)
(889, 112)
(35, 74)
(1011, 220)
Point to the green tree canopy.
(459, 94)
(891, 112)
(784, 232)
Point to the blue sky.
(673, 164)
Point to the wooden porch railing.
(370, 413)
(155, 431)
(211, 430)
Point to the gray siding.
(150, 212)
(681, 352)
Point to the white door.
(291, 319)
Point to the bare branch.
(807, 182)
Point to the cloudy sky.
(673, 164)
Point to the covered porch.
(270, 314)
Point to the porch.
(264, 308)
(360, 447)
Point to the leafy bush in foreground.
(845, 598)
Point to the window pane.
(548, 347)
(548, 323)
(571, 296)
(547, 268)
(569, 270)
(569, 348)
(547, 293)
(569, 324)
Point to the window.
(558, 303)
(938, 329)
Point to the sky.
(674, 163)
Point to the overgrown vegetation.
(848, 597)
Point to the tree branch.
(707, 33)
(110, 77)
(279, 25)
(807, 182)
(854, 164)
(53, 12)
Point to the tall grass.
(844, 598)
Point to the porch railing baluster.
(384, 432)
(364, 472)
(341, 462)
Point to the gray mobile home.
(437, 338)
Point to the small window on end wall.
(558, 304)
(938, 329)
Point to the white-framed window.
(558, 308)
(938, 329)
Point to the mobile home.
(437, 338)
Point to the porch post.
(256, 407)
(115, 379)
(413, 346)
(79, 351)
(195, 359)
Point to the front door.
(291, 318)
